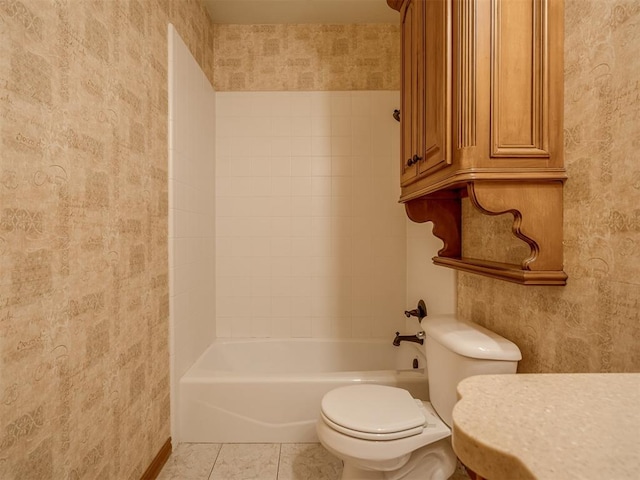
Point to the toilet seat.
(372, 436)
(348, 445)
(377, 412)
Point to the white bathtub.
(269, 390)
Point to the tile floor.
(256, 461)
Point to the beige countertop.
(549, 426)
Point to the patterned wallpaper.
(306, 57)
(592, 324)
(84, 377)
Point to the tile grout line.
(279, 457)
(214, 461)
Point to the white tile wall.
(435, 285)
(191, 211)
(311, 241)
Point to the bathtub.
(269, 390)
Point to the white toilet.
(383, 433)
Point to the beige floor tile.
(190, 461)
(302, 461)
(308, 461)
(250, 461)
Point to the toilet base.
(350, 472)
(436, 461)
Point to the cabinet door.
(436, 74)
(410, 116)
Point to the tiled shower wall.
(310, 238)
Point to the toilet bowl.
(383, 433)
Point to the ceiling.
(300, 11)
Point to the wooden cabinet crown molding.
(482, 94)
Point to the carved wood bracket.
(395, 4)
(537, 220)
(537, 216)
(444, 210)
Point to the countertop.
(549, 426)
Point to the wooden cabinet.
(482, 106)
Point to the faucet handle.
(420, 311)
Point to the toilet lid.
(374, 409)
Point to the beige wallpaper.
(84, 377)
(306, 57)
(592, 324)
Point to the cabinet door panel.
(408, 111)
(418, 85)
(520, 83)
(436, 79)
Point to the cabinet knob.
(414, 160)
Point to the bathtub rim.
(198, 372)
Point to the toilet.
(383, 433)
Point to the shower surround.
(191, 213)
(309, 239)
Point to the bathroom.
(84, 216)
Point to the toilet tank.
(456, 350)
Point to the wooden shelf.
(504, 271)
(536, 207)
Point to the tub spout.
(417, 338)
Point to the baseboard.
(152, 472)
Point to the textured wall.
(307, 57)
(592, 324)
(84, 382)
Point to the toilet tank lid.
(469, 339)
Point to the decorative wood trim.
(537, 221)
(503, 271)
(444, 210)
(155, 467)
(466, 72)
(460, 178)
(537, 109)
(537, 213)
(395, 4)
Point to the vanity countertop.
(549, 426)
